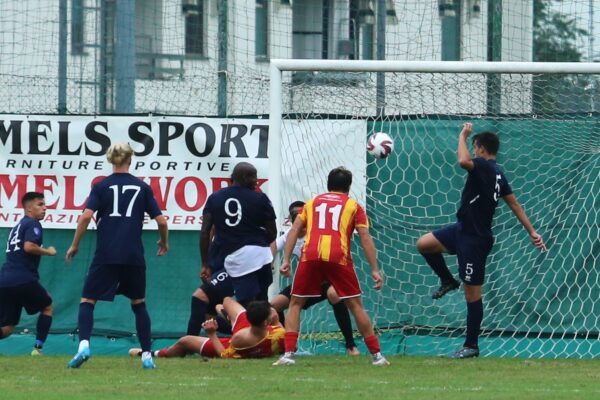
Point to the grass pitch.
(314, 378)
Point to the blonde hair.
(119, 154)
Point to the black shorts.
(310, 301)
(253, 286)
(217, 288)
(32, 296)
(471, 252)
(103, 282)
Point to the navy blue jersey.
(21, 267)
(485, 185)
(120, 201)
(239, 215)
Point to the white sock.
(146, 355)
(83, 344)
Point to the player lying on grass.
(281, 301)
(257, 333)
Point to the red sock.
(373, 344)
(291, 339)
(163, 352)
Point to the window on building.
(262, 29)
(195, 27)
(451, 31)
(77, 27)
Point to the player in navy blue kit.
(19, 278)
(244, 222)
(471, 238)
(120, 202)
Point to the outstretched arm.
(516, 208)
(82, 225)
(371, 254)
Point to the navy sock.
(438, 265)
(197, 316)
(281, 317)
(85, 320)
(342, 316)
(474, 318)
(142, 325)
(42, 328)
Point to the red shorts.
(311, 274)
(208, 349)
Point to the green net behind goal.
(537, 304)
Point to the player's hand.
(537, 241)
(285, 269)
(467, 129)
(163, 248)
(71, 253)
(210, 326)
(204, 272)
(378, 280)
(51, 251)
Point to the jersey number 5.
(322, 210)
(124, 188)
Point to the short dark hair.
(30, 196)
(488, 140)
(339, 180)
(258, 312)
(292, 211)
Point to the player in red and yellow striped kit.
(330, 219)
(257, 333)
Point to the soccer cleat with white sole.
(379, 359)
(148, 363)
(81, 357)
(285, 359)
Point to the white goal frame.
(278, 66)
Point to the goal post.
(536, 304)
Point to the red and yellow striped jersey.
(330, 221)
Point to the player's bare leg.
(365, 327)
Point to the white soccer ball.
(380, 145)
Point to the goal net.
(536, 304)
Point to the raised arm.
(371, 254)
(516, 208)
(82, 225)
(464, 157)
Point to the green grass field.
(315, 378)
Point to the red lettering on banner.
(180, 193)
(8, 187)
(160, 195)
(259, 184)
(70, 194)
(220, 183)
(43, 184)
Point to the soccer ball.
(380, 145)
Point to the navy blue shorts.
(32, 296)
(217, 288)
(105, 281)
(471, 252)
(253, 286)
(310, 301)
